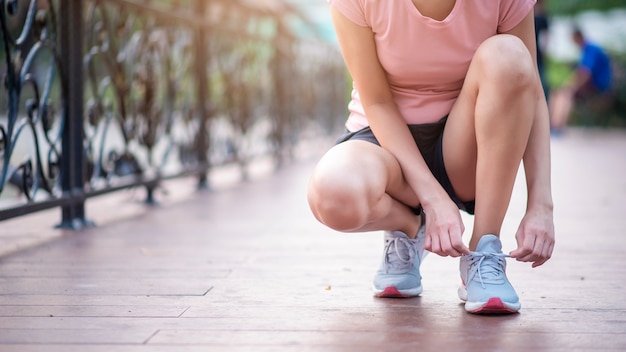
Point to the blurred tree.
(571, 7)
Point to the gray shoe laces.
(489, 267)
(399, 254)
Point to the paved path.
(246, 268)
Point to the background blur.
(103, 95)
(176, 88)
(602, 21)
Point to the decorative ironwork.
(31, 89)
(114, 94)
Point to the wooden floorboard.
(247, 268)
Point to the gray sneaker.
(485, 287)
(399, 272)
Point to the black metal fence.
(103, 95)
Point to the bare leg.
(488, 129)
(561, 103)
(358, 186)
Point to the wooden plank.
(71, 336)
(102, 286)
(148, 348)
(92, 311)
(281, 281)
(396, 340)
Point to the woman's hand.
(444, 229)
(535, 238)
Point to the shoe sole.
(494, 306)
(392, 292)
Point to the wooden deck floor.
(246, 268)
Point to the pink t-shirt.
(426, 60)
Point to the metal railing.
(104, 95)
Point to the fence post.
(72, 156)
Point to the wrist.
(434, 196)
(539, 197)
(544, 205)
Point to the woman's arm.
(359, 51)
(535, 237)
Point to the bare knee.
(510, 85)
(350, 186)
(336, 200)
(342, 186)
(506, 61)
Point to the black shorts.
(429, 140)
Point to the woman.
(446, 103)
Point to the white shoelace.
(488, 266)
(394, 248)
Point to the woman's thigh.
(459, 146)
(495, 71)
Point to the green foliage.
(571, 7)
(558, 73)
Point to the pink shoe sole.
(494, 306)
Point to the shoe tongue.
(399, 253)
(489, 244)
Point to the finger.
(452, 252)
(519, 251)
(428, 243)
(524, 251)
(537, 250)
(436, 246)
(457, 242)
(530, 257)
(540, 254)
(461, 248)
(446, 245)
(545, 256)
(539, 262)
(451, 248)
(530, 243)
(548, 248)
(523, 255)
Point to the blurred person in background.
(446, 104)
(591, 82)
(542, 27)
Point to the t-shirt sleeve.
(512, 12)
(352, 9)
